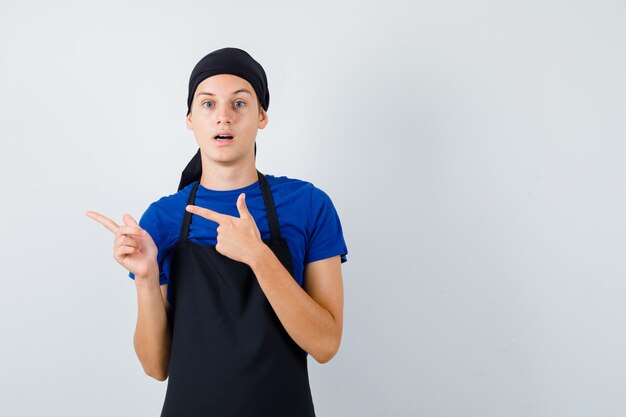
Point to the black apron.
(230, 354)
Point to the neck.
(228, 177)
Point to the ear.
(262, 119)
(189, 122)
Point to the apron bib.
(230, 354)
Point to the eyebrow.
(241, 90)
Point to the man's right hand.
(133, 247)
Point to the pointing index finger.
(103, 220)
(206, 213)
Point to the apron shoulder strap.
(272, 217)
(184, 230)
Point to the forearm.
(310, 325)
(152, 335)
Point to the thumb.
(242, 207)
(129, 221)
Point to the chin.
(223, 157)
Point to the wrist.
(259, 254)
(151, 275)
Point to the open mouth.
(223, 137)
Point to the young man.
(238, 274)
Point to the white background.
(474, 152)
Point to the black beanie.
(223, 61)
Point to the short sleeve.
(325, 237)
(150, 221)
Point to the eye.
(208, 102)
(243, 103)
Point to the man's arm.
(312, 314)
(152, 335)
(135, 250)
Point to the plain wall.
(474, 152)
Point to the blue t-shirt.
(306, 215)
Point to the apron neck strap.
(272, 218)
(184, 230)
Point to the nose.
(223, 115)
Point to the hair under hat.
(229, 60)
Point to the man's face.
(226, 103)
